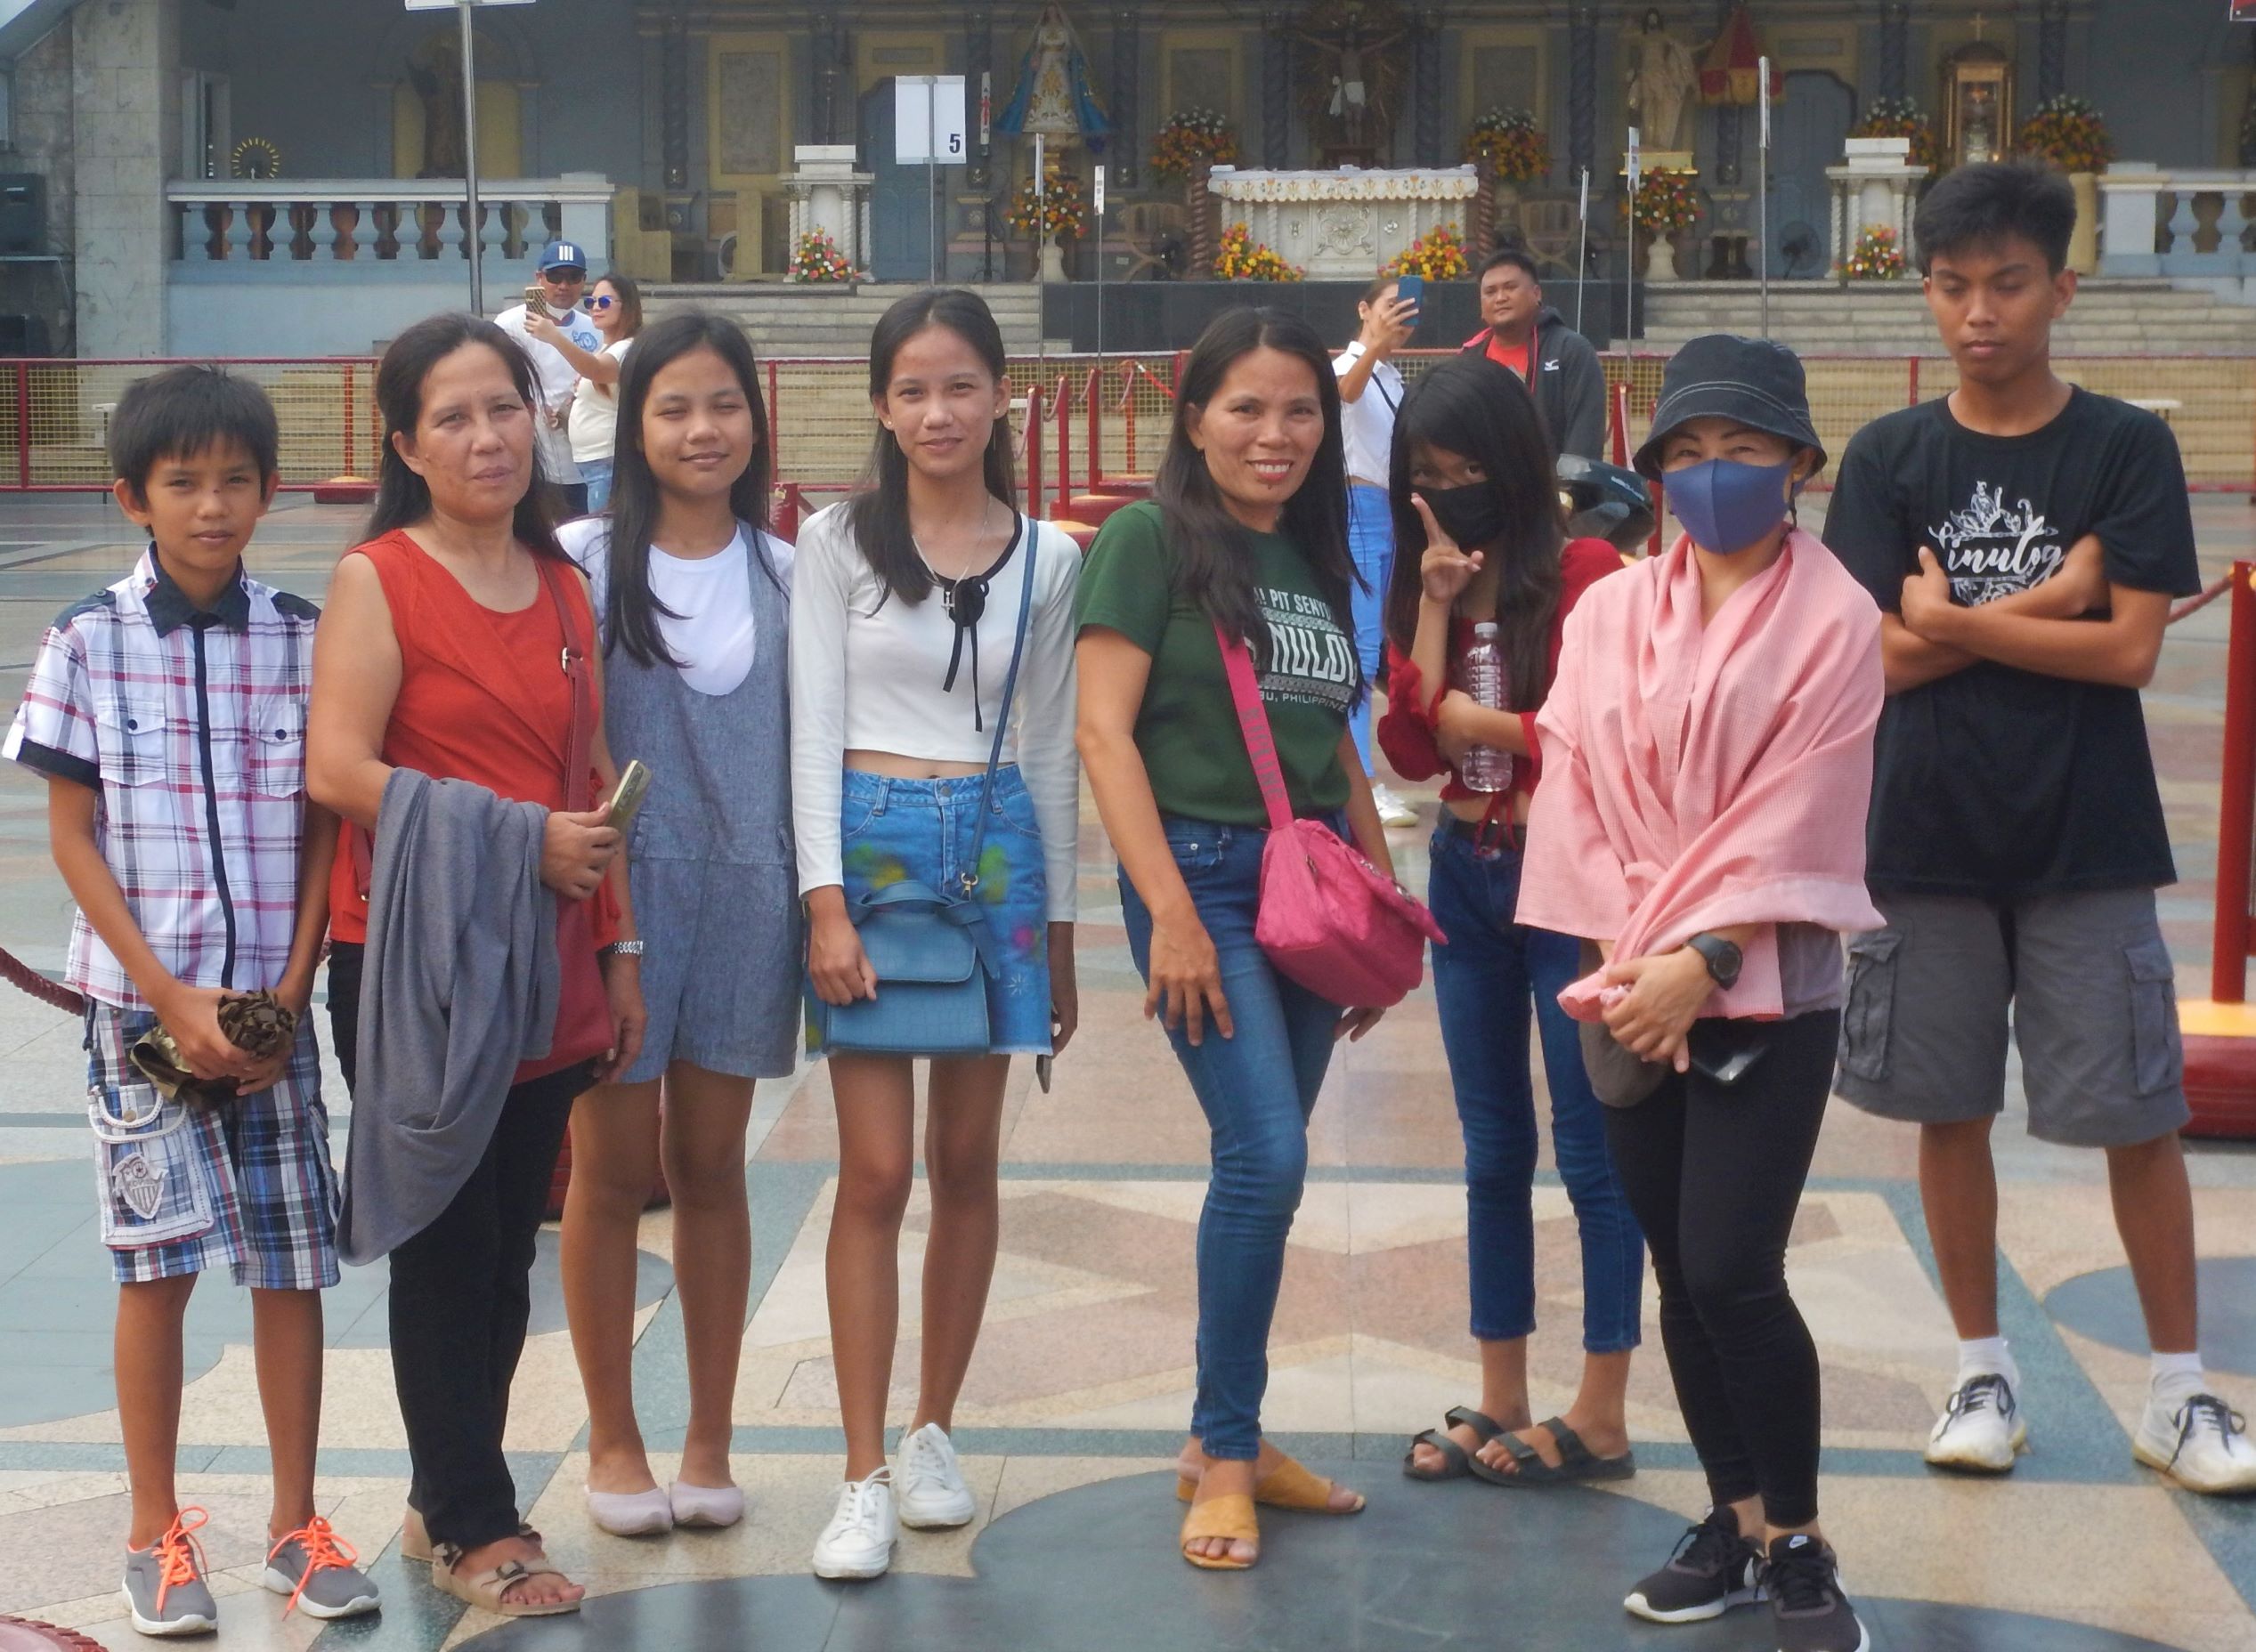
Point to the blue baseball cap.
(563, 255)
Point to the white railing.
(2181, 223)
(327, 221)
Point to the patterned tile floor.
(1081, 1381)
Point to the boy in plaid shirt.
(167, 714)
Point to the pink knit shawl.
(1704, 774)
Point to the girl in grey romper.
(713, 872)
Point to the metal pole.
(1762, 98)
(1629, 255)
(932, 179)
(1097, 174)
(1582, 258)
(1042, 245)
(470, 164)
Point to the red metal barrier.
(2236, 815)
(1092, 394)
(1064, 440)
(1034, 453)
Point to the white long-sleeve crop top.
(866, 675)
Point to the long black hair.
(630, 611)
(878, 510)
(1214, 550)
(402, 498)
(1471, 407)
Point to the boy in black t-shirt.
(2025, 538)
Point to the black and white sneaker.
(1804, 1581)
(1713, 1570)
(1981, 1428)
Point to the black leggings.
(461, 1297)
(1713, 1174)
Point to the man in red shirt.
(1524, 333)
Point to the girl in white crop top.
(905, 604)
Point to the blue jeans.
(1370, 541)
(595, 475)
(1483, 981)
(1257, 1089)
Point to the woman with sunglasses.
(907, 602)
(615, 308)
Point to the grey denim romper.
(710, 862)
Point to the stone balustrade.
(2184, 224)
(370, 221)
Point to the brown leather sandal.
(489, 1590)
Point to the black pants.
(461, 1296)
(1714, 1173)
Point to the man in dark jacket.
(1532, 339)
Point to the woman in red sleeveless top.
(440, 653)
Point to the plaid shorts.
(183, 1186)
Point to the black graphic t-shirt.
(1996, 782)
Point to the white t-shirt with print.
(556, 378)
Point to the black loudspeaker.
(23, 213)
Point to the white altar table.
(1342, 225)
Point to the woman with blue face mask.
(1708, 761)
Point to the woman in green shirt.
(1246, 529)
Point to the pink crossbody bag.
(1327, 918)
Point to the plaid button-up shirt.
(191, 726)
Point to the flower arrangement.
(1438, 255)
(1901, 118)
(2068, 132)
(816, 258)
(1510, 145)
(1056, 212)
(1192, 139)
(1667, 201)
(1240, 258)
(1875, 257)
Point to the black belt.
(1490, 837)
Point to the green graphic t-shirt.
(1187, 729)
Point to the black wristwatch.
(1722, 957)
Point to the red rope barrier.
(24, 979)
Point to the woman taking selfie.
(1482, 588)
(1707, 753)
(1247, 531)
(692, 595)
(937, 801)
(457, 714)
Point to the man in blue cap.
(564, 282)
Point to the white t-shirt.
(867, 671)
(714, 636)
(594, 413)
(1366, 424)
(556, 378)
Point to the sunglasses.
(602, 301)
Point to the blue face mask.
(1726, 506)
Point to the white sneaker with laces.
(1392, 810)
(858, 1541)
(1981, 1428)
(933, 1494)
(2202, 1445)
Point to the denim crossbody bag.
(932, 950)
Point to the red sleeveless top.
(483, 697)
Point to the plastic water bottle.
(1479, 673)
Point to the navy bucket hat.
(1753, 382)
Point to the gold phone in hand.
(626, 798)
(537, 303)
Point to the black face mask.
(1470, 515)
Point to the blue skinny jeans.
(1370, 541)
(1257, 1089)
(1483, 982)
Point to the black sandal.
(1577, 1464)
(1456, 1463)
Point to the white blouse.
(867, 671)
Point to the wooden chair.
(1156, 235)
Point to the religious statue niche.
(435, 69)
(1977, 104)
(1662, 74)
(1055, 96)
(1350, 103)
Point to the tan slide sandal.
(489, 1590)
(1287, 1485)
(1229, 1516)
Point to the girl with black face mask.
(1477, 527)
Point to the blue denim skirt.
(922, 831)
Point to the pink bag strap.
(1253, 721)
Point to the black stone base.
(1154, 316)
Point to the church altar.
(1342, 225)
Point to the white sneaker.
(1981, 1428)
(1392, 810)
(2202, 1445)
(858, 1541)
(933, 1493)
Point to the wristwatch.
(633, 948)
(1722, 957)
